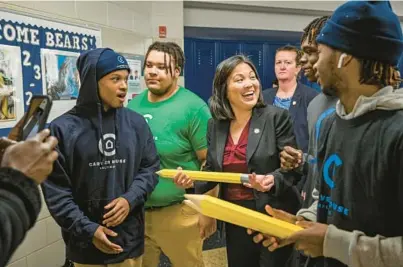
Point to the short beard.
(336, 81)
(329, 91)
(161, 92)
(158, 92)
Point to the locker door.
(255, 52)
(204, 62)
(229, 49)
(189, 63)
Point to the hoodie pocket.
(130, 231)
(95, 209)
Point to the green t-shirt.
(179, 127)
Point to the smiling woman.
(246, 136)
(236, 88)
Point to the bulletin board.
(134, 83)
(38, 57)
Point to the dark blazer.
(298, 111)
(270, 130)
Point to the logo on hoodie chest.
(108, 149)
(106, 146)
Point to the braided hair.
(379, 73)
(313, 29)
(174, 51)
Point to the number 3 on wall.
(37, 70)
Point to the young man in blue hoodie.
(357, 219)
(106, 168)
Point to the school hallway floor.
(216, 257)
(214, 253)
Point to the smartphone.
(36, 116)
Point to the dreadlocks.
(174, 52)
(313, 29)
(378, 73)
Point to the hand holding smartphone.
(34, 119)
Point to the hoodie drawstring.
(117, 140)
(101, 133)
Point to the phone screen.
(32, 126)
(36, 117)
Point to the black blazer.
(303, 95)
(270, 130)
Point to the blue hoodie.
(102, 156)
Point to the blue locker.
(203, 56)
(228, 49)
(200, 67)
(255, 52)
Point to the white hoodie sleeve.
(310, 213)
(355, 249)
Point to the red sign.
(163, 31)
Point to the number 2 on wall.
(29, 94)
(27, 57)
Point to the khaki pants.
(175, 231)
(127, 263)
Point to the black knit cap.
(366, 30)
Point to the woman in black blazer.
(247, 136)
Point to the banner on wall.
(39, 57)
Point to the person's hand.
(33, 157)
(182, 180)
(271, 242)
(290, 158)
(101, 241)
(4, 144)
(119, 208)
(262, 183)
(207, 226)
(310, 240)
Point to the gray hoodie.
(355, 249)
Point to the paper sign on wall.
(135, 77)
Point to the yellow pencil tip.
(158, 172)
(195, 197)
(192, 205)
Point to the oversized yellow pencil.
(221, 177)
(229, 212)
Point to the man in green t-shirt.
(178, 120)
